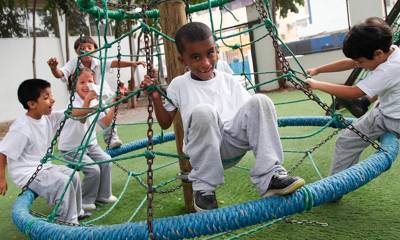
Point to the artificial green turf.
(371, 212)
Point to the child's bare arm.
(123, 64)
(164, 117)
(3, 179)
(53, 63)
(341, 65)
(79, 112)
(342, 91)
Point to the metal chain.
(188, 14)
(306, 222)
(171, 190)
(149, 157)
(49, 151)
(41, 215)
(119, 5)
(299, 162)
(302, 86)
(116, 107)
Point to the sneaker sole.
(289, 189)
(197, 208)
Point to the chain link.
(302, 86)
(119, 5)
(149, 156)
(171, 190)
(299, 162)
(306, 222)
(108, 140)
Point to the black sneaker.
(282, 184)
(357, 107)
(204, 200)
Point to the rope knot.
(149, 154)
(336, 120)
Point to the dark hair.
(191, 32)
(364, 39)
(30, 90)
(86, 69)
(84, 39)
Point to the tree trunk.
(34, 39)
(66, 38)
(172, 17)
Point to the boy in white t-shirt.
(356, 106)
(96, 185)
(370, 45)
(221, 121)
(87, 44)
(26, 144)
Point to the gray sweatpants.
(349, 145)
(50, 184)
(208, 141)
(97, 181)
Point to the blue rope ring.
(223, 219)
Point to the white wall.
(362, 9)
(16, 66)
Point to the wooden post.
(172, 17)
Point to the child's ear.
(180, 59)
(31, 104)
(378, 52)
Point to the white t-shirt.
(26, 144)
(223, 66)
(384, 82)
(222, 92)
(69, 69)
(74, 130)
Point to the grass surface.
(370, 212)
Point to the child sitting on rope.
(96, 185)
(221, 121)
(87, 44)
(357, 106)
(370, 46)
(26, 144)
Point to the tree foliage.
(286, 6)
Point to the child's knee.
(92, 171)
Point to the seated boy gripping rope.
(221, 121)
(357, 106)
(370, 45)
(26, 144)
(96, 185)
(87, 44)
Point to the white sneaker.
(111, 199)
(89, 207)
(115, 142)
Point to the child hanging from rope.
(357, 106)
(26, 144)
(96, 185)
(221, 121)
(370, 46)
(87, 44)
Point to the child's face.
(44, 104)
(371, 64)
(366, 63)
(82, 85)
(86, 47)
(200, 57)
